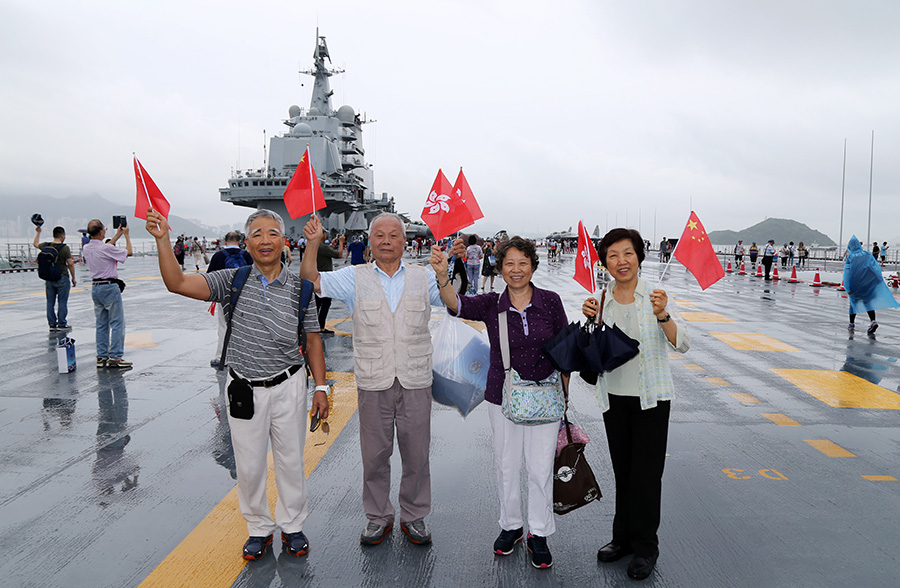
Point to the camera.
(120, 221)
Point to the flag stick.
(668, 263)
(312, 189)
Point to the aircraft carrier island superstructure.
(338, 157)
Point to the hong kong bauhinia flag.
(303, 194)
(148, 195)
(445, 212)
(461, 188)
(585, 259)
(695, 252)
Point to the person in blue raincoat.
(865, 284)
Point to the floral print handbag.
(527, 402)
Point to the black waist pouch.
(240, 399)
(120, 283)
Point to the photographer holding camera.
(55, 265)
(106, 291)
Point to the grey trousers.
(379, 412)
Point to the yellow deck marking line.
(829, 448)
(717, 381)
(333, 325)
(2, 302)
(880, 478)
(753, 342)
(36, 294)
(841, 389)
(674, 355)
(693, 367)
(745, 398)
(145, 278)
(781, 420)
(705, 317)
(210, 554)
(139, 340)
(685, 303)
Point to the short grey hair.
(387, 215)
(263, 213)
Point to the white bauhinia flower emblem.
(586, 259)
(437, 202)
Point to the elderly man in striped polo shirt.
(265, 371)
(390, 303)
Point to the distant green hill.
(781, 229)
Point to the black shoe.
(507, 540)
(641, 567)
(613, 552)
(256, 547)
(540, 553)
(295, 543)
(326, 332)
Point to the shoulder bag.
(526, 402)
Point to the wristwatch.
(324, 388)
(665, 320)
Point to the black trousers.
(767, 263)
(637, 446)
(322, 305)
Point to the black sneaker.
(872, 328)
(295, 543)
(507, 540)
(540, 553)
(256, 547)
(101, 362)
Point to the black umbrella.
(609, 348)
(564, 348)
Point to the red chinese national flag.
(585, 259)
(445, 212)
(304, 194)
(695, 252)
(461, 188)
(148, 195)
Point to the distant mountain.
(781, 229)
(74, 212)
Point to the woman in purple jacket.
(533, 317)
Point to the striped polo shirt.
(264, 326)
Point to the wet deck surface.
(784, 452)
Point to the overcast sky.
(595, 110)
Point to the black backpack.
(48, 263)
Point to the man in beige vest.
(390, 304)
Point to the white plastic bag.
(461, 360)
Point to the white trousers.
(279, 416)
(538, 443)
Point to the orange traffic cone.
(841, 287)
(759, 273)
(743, 272)
(728, 267)
(775, 273)
(793, 279)
(816, 281)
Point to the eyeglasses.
(326, 428)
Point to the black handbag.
(574, 484)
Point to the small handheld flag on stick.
(445, 212)
(585, 259)
(304, 194)
(148, 194)
(464, 192)
(696, 253)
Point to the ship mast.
(321, 94)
